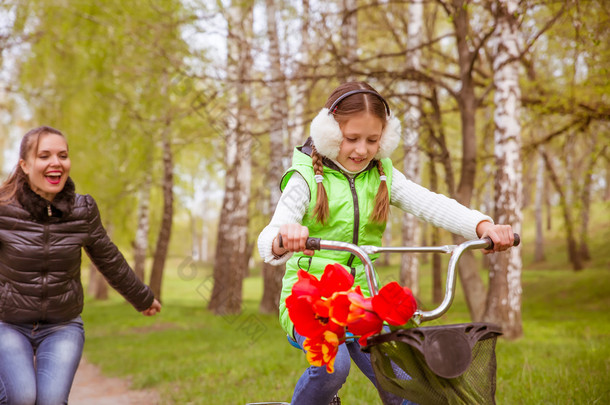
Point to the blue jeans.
(317, 387)
(38, 361)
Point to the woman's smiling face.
(47, 166)
(361, 136)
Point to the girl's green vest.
(351, 202)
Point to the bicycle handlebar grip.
(516, 242)
(311, 243)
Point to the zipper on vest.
(352, 187)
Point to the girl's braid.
(321, 208)
(382, 199)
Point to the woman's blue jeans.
(38, 361)
(317, 387)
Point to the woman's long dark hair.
(29, 143)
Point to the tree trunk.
(472, 284)
(409, 266)
(423, 241)
(504, 296)
(488, 201)
(349, 39)
(384, 258)
(540, 189)
(437, 273)
(441, 141)
(586, 198)
(568, 182)
(206, 228)
(140, 245)
(297, 134)
(573, 254)
(607, 188)
(231, 259)
(438, 137)
(272, 275)
(467, 104)
(165, 231)
(547, 203)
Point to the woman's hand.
(502, 236)
(294, 237)
(153, 309)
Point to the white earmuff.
(390, 138)
(326, 134)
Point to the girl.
(339, 187)
(43, 226)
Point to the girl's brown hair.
(29, 142)
(346, 109)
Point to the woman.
(43, 226)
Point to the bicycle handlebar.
(363, 252)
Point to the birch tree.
(140, 244)
(272, 275)
(504, 298)
(232, 253)
(301, 85)
(538, 206)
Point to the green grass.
(193, 357)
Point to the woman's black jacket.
(40, 257)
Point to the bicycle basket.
(449, 364)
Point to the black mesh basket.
(449, 364)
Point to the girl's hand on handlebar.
(293, 238)
(501, 235)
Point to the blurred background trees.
(182, 115)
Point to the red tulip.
(307, 284)
(335, 278)
(364, 322)
(394, 304)
(342, 311)
(322, 350)
(368, 325)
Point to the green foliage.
(110, 76)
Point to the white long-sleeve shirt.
(437, 209)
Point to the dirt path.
(92, 388)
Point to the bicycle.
(445, 364)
